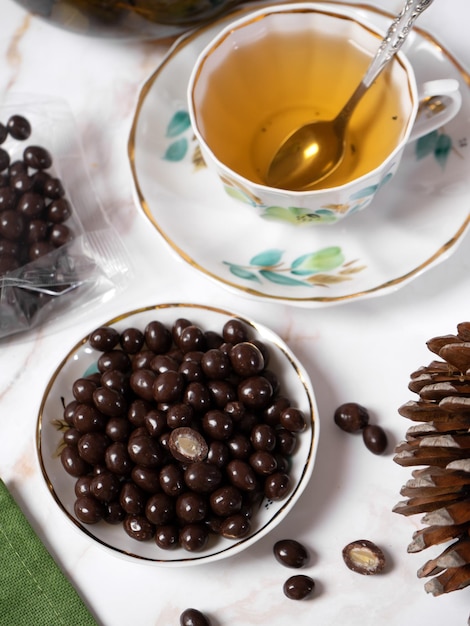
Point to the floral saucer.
(414, 222)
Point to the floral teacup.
(278, 68)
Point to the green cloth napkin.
(33, 590)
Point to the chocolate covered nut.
(132, 498)
(234, 331)
(141, 382)
(234, 526)
(290, 553)
(364, 557)
(138, 527)
(88, 509)
(190, 507)
(105, 487)
(226, 501)
(117, 458)
(166, 536)
(292, 419)
(8, 198)
(53, 188)
(113, 513)
(193, 537)
(277, 486)
(215, 364)
(109, 401)
(115, 380)
(4, 159)
(193, 617)
(179, 415)
(217, 425)
(60, 235)
(157, 337)
(246, 359)
(187, 445)
(168, 386)
(298, 587)
(18, 127)
(72, 462)
(375, 438)
(104, 338)
(191, 339)
(263, 437)
(11, 225)
(263, 462)
(39, 249)
(160, 509)
(202, 477)
(242, 475)
(171, 479)
(88, 419)
(351, 417)
(92, 447)
(37, 157)
(114, 360)
(255, 392)
(146, 451)
(59, 211)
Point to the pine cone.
(440, 441)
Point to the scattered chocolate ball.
(375, 438)
(298, 587)
(193, 617)
(351, 417)
(364, 557)
(290, 553)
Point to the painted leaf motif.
(178, 124)
(426, 145)
(241, 272)
(280, 279)
(323, 280)
(92, 369)
(443, 149)
(268, 258)
(363, 193)
(323, 260)
(386, 179)
(177, 150)
(238, 194)
(280, 213)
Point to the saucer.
(81, 361)
(414, 223)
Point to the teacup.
(277, 68)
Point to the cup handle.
(440, 101)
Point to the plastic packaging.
(92, 264)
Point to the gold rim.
(182, 43)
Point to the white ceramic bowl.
(295, 384)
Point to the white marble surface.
(362, 351)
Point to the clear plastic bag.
(92, 264)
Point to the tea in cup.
(278, 68)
